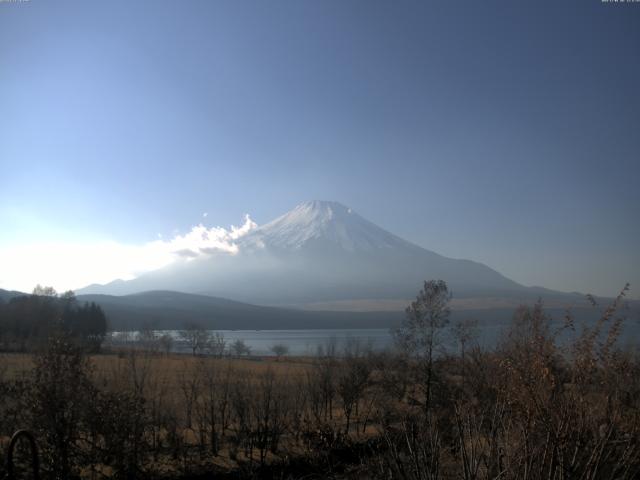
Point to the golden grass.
(15, 364)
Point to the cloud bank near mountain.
(206, 241)
(71, 265)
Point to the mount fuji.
(318, 253)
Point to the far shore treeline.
(27, 321)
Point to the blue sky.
(504, 132)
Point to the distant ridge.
(174, 310)
(6, 295)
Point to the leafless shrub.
(60, 389)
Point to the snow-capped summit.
(322, 223)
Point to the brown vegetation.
(531, 408)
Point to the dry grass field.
(531, 407)
(172, 368)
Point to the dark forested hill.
(172, 310)
(6, 295)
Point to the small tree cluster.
(27, 321)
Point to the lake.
(307, 342)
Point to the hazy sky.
(501, 131)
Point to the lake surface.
(307, 342)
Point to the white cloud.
(202, 240)
(74, 265)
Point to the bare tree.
(196, 337)
(41, 291)
(217, 345)
(239, 348)
(280, 350)
(214, 406)
(464, 331)
(420, 332)
(147, 337)
(166, 343)
(353, 378)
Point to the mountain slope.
(321, 251)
